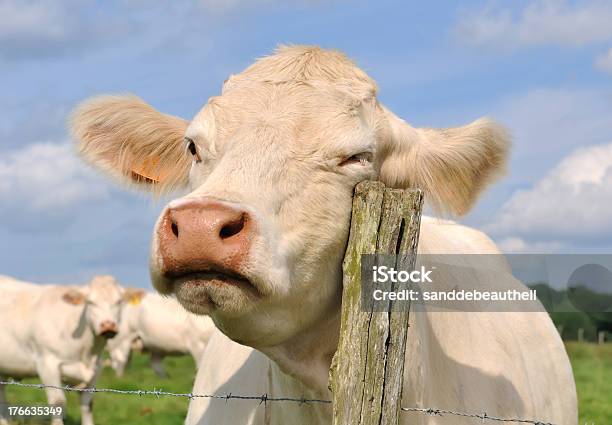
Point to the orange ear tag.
(146, 172)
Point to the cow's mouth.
(201, 291)
(108, 334)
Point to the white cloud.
(34, 18)
(51, 28)
(547, 124)
(571, 201)
(540, 23)
(604, 62)
(46, 28)
(515, 245)
(225, 6)
(46, 178)
(63, 223)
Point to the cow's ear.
(133, 296)
(451, 165)
(129, 139)
(74, 297)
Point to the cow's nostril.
(174, 228)
(233, 228)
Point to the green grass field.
(592, 369)
(121, 409)
(592, 366)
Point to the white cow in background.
(257, 244)
(57, 333)
(161, 326)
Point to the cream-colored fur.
(52, 332)
(452, 165)
(129, 139)
(507, 364)
(287, 141)
(163, 327)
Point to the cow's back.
(8, 283)
(18, 301)
(166, 327)
(37, 322)
(68, 332)
(501, 363)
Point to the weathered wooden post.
(580, 335)
(367, 370)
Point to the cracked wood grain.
(366, 375)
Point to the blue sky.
(542, 68)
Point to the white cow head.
(102, 299)
(270, 166)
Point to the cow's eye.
(193, 149)
(362, 158)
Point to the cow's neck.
(92, 344)
(307, 356)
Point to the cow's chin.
(209, 293)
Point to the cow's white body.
(163, 328)
(467, 362)
(257, 243)
(43, 336)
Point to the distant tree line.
(576, 308)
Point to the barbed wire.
(264, 398)
(158, 393)
(481, 416)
